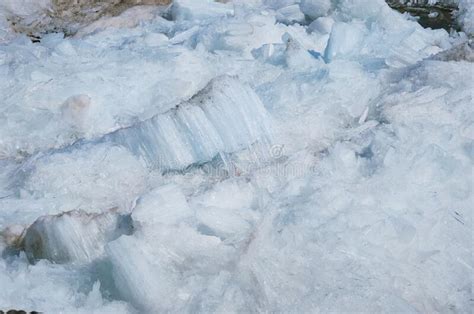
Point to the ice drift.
(169, 247)
(259, 156)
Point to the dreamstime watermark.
(276, 151)
(269, 160)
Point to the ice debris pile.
(236, 156)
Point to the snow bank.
(200, 10)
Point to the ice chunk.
(168, 259)
(278, 4)
(184, 36)
(227, 210)
(164, 205)
(136, 274)
(322, 25)
(345, 40)
(226, 116)
(290, 14)
(362, 35)
(413, 48)
(298, 57)
(241, 34)
(315, 8)
(73, 236)
(52, 288)
(364, 9)
(236, 112)
(271, 53)
(159, 269)
(200, 9)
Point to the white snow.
(237, 157)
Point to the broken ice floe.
(170, 247)
(164, 240)
(374, 209)
(225, 117)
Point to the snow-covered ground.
(287, 156)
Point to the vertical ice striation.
(72, 237)
(225, 117)
(363, 202)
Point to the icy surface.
(237, 156)
(72, 237)
(224, 117)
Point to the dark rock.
(429, 16)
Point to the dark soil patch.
(435, 16)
